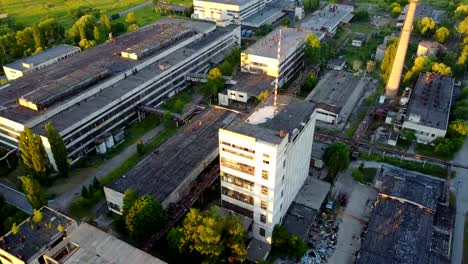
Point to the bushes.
(286, 244)
(427, 168)
(9, 215)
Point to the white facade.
(262, 57)
(261, 179)
(424, 134)
(226, 12)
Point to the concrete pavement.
(16, 198)
(63, 201)
(460, 186)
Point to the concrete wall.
(424, 134)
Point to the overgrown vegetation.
(426, 168)
(177, 103)
(337, 158)
(285, 244)
(209, 237)
(9, 215)
(364, 175)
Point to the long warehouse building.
(91, 96)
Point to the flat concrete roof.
(228, 2)
(252, 84)
(334, 90)
(77, 112)
(38, 238)
(291, 40)
(265, 123)
(42, 57)
(98, 247)
(431, 100)
(65, 79)
(257, 250)
(161, 172)
(313, 193)
(326, 19)
(267, 15)
(298, 220)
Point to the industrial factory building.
(262, 56)
(168, 173)
(265, 161)
(38, 61)
(336, 95)
(226, 11)
(249, 13)
(91, 96)
(410, 222)
(43, 242)
(325, 22)
(429, 107)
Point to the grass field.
(28, 12)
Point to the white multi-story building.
(91, 96)
(429, 107)
(265, 160)
(48, 57)
(225, 12)
(262, 56)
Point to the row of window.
(237, 147)
(237, 195)
(238, 153)
(238, 166)
(248, 185)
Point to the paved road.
(15, 198)
(135, 8)
(61, 202)
(460, 185)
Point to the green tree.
(217, 238)
(462, 27)
(105, 24)
(336, 157)
(33, 191)
(95, 186)
(82, 29)
(460, 127)
(131, 18)
(140, 146)
(132, 27)
(286, 244)
(130, 196)
(421, 64)
(425, 26)
(37, 216)
(264, 30)
(87, 44)
(168, 120)
(214, 83)
(461, 10)
(441, 69)
(145, 217)
(226, 68)
(85, 192)
(309, 83)
(396, 9)
(463, 58)
(25, 40)
(38, 37)
(15, 229)
(96, 34)
(58, 148)
(442, 34)
(33, 154)
(312, 49)
(389, 57)
(60, 228)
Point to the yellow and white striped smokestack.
(393, 84)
